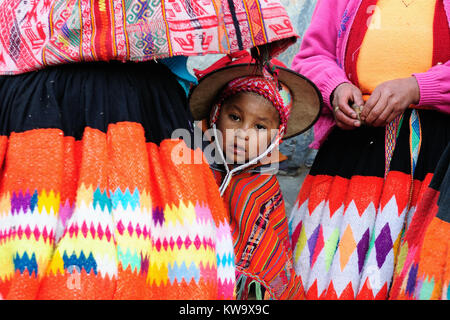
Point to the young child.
(250, 109)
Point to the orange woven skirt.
(93, 201)
(351, 217)
(423, 269)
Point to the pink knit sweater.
(321, 59)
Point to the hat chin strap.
(255, 160)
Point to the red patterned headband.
(274, 91)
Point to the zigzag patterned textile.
(423, 269)
(35, 34)
(106, 213)
(348, 221)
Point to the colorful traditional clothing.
(250, 190)
(94, 206)
(423, 270)
(365, 184)
(36, 34)
(260, 233)
(94, 202)
(328, 59)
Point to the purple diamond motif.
(312, 243)
(383, 244)
(362, 247)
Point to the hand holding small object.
(390, 99)
(345, 95)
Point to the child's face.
(248, 122)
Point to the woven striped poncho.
(260, 233)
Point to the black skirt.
(95, 201)
(74, 96)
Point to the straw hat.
(306, 98)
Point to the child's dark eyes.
(235, 117)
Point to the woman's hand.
(390, 99)
(343, 97)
